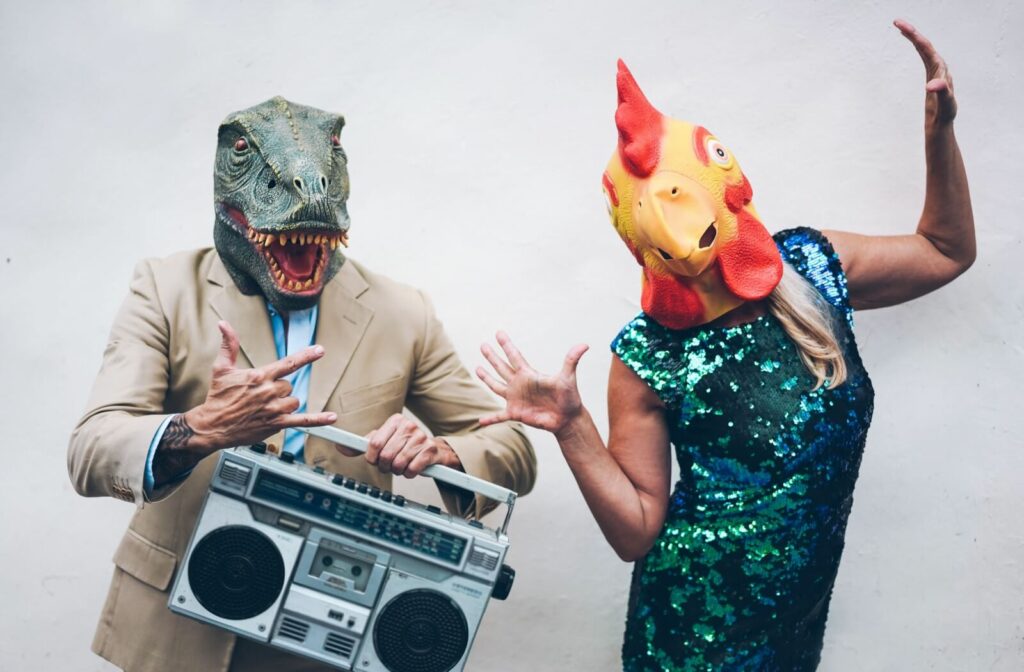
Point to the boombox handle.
(436, 471)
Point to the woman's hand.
(887, 270)
(541, 401)
(940, 103)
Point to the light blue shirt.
(298, 336)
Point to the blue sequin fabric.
(741, 574)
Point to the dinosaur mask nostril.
(665, 255)
(709, 236)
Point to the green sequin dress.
(741, 574)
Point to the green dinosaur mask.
(280, 185)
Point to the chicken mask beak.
(675, 219)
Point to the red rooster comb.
(640, 126)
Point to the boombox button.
(337, 479)
(287, 458)
(363, 488)
(477, 524)
(258, 447)
(374, 492)
(433, 509)
(350, 484)
(318, 469)
(399, 500)
(385, 496)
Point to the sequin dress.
(741, 574)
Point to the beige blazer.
(385, 351)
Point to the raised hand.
(248, 405)
(539, 400)
(940, 103)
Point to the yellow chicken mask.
(680, 202)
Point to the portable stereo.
(338, 571)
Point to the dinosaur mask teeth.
(297, 259)
(298, 238)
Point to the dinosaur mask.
(680, 202)
(280, 185)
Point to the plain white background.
(477, 134)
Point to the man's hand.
(402, 448)
(244, 406)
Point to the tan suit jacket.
(385, 351)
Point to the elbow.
(968, 259)
(964, 259)
(633, 550)
(628, 555)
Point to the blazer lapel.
(247, 314)
(341, 322)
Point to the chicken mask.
(680, 202)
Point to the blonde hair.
(808, 321)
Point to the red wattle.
(751, 264)
(670, 301)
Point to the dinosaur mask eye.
(241, 145)
(718, 153)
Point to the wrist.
(573, 426)
(938, 128)
(449, 457)
(200, 439)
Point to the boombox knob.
(503, 585)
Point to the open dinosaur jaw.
(297, 258)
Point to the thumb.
(228, 353)
(573, 359)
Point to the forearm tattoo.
(172, 457)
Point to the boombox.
(334, 570)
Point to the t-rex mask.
(682, 205)
(280, 185)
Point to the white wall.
(477, 134)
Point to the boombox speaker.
(335, 570)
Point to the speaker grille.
(235, 473)
(339, 645)
(293, 628)
(236, 572)
(485, 559)
(420, 631)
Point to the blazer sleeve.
(450, 402)
(109, 445)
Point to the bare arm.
(625, 484)
(887, 270)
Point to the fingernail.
(331, 417)
(318, 349)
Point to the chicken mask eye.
(718, 153)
